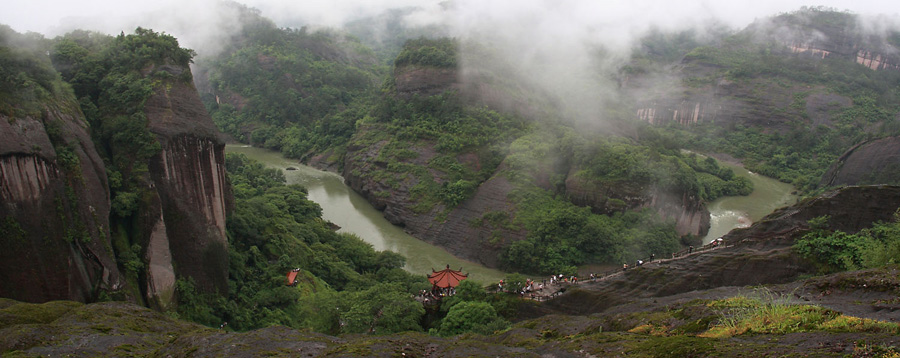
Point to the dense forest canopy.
(26, 78)
(293, 90)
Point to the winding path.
(551, 290)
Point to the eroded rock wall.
(55, 210)
(189, 178)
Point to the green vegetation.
(33, 313)
(474, 310)
(342, 284)
(475, 317)
(444, 148)
(444, 123)
(834, 251)
(761, 67)
(575, 194)
(562, 235)
(108, 77)
(27, 80)
(275, 229)
(439, 53)
(773, 314)
(296, 91)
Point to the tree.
(382, 309)
(475, 317)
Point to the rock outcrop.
(55, 209)
(689, 212)
(480, 227)
(871, 162)
(721, 101)
(424, 80)
(759, 255)
(188, 230)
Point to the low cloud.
(550, 43)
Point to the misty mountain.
(537, 154)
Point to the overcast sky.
(552, 43)
(53, 16)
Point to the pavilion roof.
(447, 277)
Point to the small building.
(292, 277)
(446, 278)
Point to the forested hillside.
(788, 95)
(114, 208)
(108, 137)
(429, 145)
(293, 90)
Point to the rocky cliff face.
(188, 230)
(701, 93)
(723, 102)
(689, 212)
(871, 162)
(55, 209)
(56, 204)
(759, 255)
(424, 80)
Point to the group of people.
(560, 278)
(639, 262)
(435, 294)
(711, 245)
(536, 289)
(529, 287)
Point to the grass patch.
(769, 313)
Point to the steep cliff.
(54, 197)
(688, 211)
(55, 210)
(188, 176)
(150, 211)
(456, 230)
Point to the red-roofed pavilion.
(292, 277)
(446, 278)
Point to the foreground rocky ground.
(676, 308)
(669, 326)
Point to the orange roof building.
(292, 277)
(446, 278)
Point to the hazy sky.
(52, 16)
(550, 42)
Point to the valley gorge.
(126, 228)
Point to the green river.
(354, 214)
(740, 211)
(349, 210)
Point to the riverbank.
(353, 214)
(731, 212)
